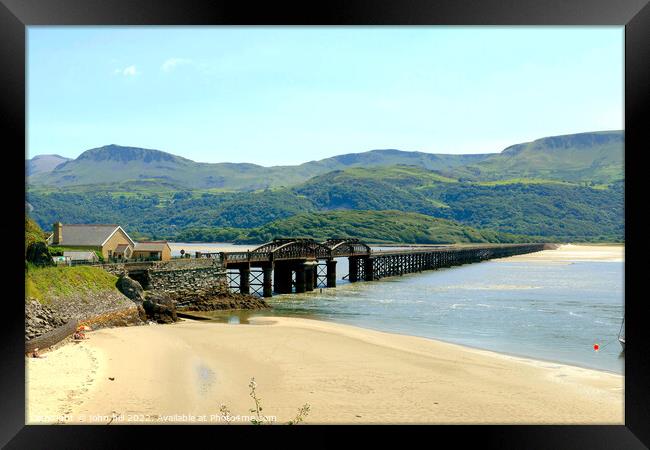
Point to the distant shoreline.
(576, 252)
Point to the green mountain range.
(553, 189)
(594, 157)
(115, 164)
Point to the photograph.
(250, 225)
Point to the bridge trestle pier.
(300, 278)
(282, 278)
(245, 279)
(353, 269)
(368, 269)
(310, 275)
(267, 281)
(314, 273)
(331, 273)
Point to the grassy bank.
(45, 283)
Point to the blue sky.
(286, 95)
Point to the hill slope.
(114, 164)
(593, 157)
(43, 164)
(532, 207)
(373, 189)
(596, 157)
(559, 188)
(388, 157)
(369, 226)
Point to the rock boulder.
(130, 288)
(159, 307)
(218, 299)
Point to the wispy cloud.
(127, 71)
(172, 63)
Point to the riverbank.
(346, 374)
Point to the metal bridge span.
(296, 264)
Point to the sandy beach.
(182, 373)
(178, 373)
(575, 252)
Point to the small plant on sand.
(258, 405)
(259, 418)
(225, 413)
(302, 413)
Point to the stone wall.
(174, 264)
(99, 309)
(192, 284)
(177, 277)
(180, 282)
(39, 319)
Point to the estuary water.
(546, 308)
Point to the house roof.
(92, 235)
(121, 248)
(151, 246)
(80, 255)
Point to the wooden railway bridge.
(284, 264)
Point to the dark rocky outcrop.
(38, 254)
(218, 299)
(142, 314)
(130, 288)
(160, 307)
(40, 319)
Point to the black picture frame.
(15, 15)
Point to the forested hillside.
(369, 226)
(560, 188)
(524, 207)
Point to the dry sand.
(346, 374)
(574, 252)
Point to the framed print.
(415, 215)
